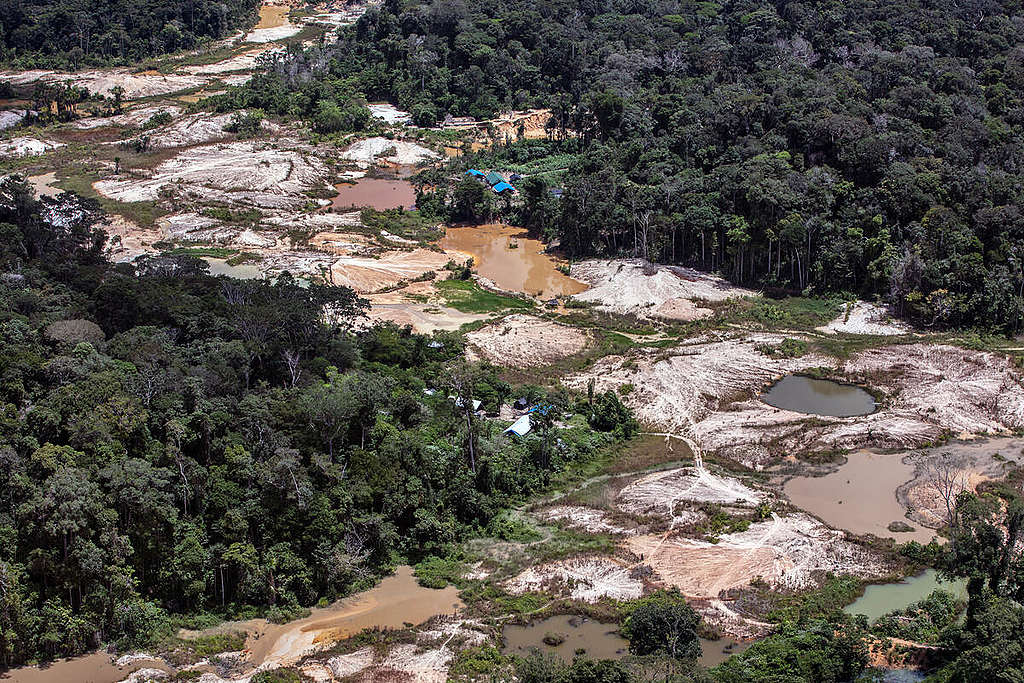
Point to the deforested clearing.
(659, 493)
(257, 173)
(393, 151)
(525, 341)
(862, 317)
(584, 578)
(134, 117)
(709, 390)
(584, 519)
(787, 553)
(636, 287)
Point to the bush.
(662, 623)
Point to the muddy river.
(860, 496)
(376, 193)
(880, 599)
(506, 256)
(599, 641)
(819, 397)
(396, 601)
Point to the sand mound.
(136, 85)
(26, 147)
(789, 553)
(269, 35)
(587, 578)
(352, 663)
(393, 151)
(248, 172)
(523, 341)
(643, 289)
(861, 317)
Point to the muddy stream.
(506, 256)
(819, 397)
(396, 601)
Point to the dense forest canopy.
(173, 442)
(73, 33)
(869, 147)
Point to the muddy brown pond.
(819, 397)
(860, 496)
(375, 193)
(506, 256)
(599, 641)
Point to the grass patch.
(202, 252)
(792, 312)
(467, 296)
(182, 651)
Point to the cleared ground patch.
(585, 578)
(523, 341)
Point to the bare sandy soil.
(708, 389)
(659, 493)
(136, 85)
(584, 519)
(198, 129)
(584, 578)
(371, 150)
(787, 553)
(367, 275)
(523, 341)
(133, 117)
(635, 287)
(26, 147)
(389, 113)
(861, 317)
(256, 173)
(12, 117)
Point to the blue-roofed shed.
(475, 173)
(503, 187)
(493, 178)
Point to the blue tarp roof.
(474, 172)
(502, 186)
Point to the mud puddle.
(819, 397)
(94, 668)
(506, 256)
(376, 193)
(860, 496)
(880, 599)
(599, 641)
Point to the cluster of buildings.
(497, 181)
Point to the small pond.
(375, 193)
(880, 599)
(599, 641)
(242, 271)
(819, 397)
(507, 256)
